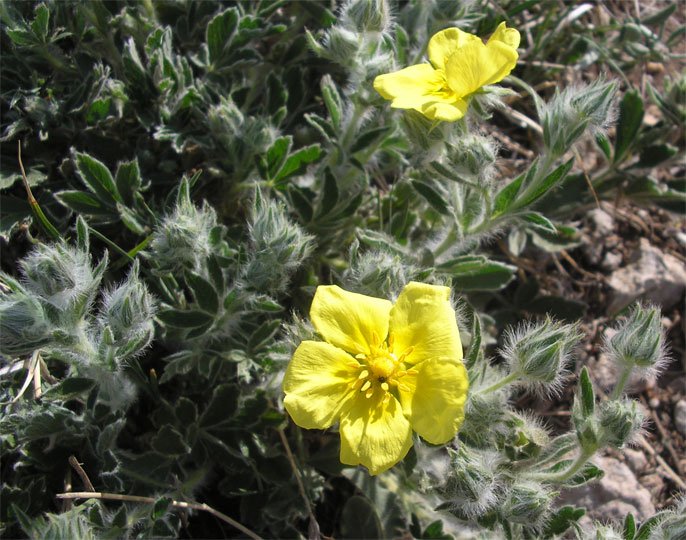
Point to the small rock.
(611, 261)
(618, 485)
(653, 483)
(592, 249)
(605, 372)
(654, 402)
(659, 276)
(680, 416)
(681, 238)
(602, 222)
(636, 460)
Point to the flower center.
(381, 369)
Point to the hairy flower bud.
(184, 239)
(62, 277)
(368, 15)
(23, 326)
(539, 353)
(126, 316)
(619, 422)
(473, 484)
(575, 110)
(639, 343)
(472, 155)
(279, 247)
(528, 503)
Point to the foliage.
(194, 170)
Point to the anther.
(412, 372)
(375, 339)
(365, 386)
(357, 384)
(400, 373)
(403, 387)
(359, 348)
(352, 364)
(369, 393)
(384, 386)
(386, 398)
(361, 356)
(364, 374)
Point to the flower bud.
(473, 483)
(23, 325)
(539, 352)
(639, 343)
(472, 155)
(61, 276)
(528, 503)
(368, 15)
(377, 272)
(602, 532)
(279, 247)
(183, 240)
(619, 422)
(126, 316)
(342, 45)
(672, 523)
(575, 110)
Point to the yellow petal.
(448, 112)
(422, 318)
(374, 434)
(435, 397)
(409, 83)
(476, 65)
(318, 384)
(349, 320)
(445, 43)
(509, 36)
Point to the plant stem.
(502, 382)
(561, 476)
(623, 378)
(151, 500)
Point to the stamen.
(412, 372)
(352, 364)
(357, 384)
(375, 339)
(400, 373)
(403, 387)
(391, 340)
(365, 386)
(386, 398)
(384, 386)
(364, 374)
(359, 348)
(361, 356)
(393, 382)
(369, 393)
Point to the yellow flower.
(384, 370)
(461, 65)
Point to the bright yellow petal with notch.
(445, 43)
(348, 320)
(509, 36)
(476, 65)
(373, 434)
(408, 84)
(422, 318)
(435, 399)
(318, 384)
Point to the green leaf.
(435, 531)
(648, 525)
(629, 529)
(40, 24)
(653, 155)
(82, 235)
(222, 407)
(433, 197)
(564, 238)
(659, 18)
(539, 220)
(296, 162)
(169, 442)
(83, 202)
(160, 507)
(184, 318)
(301, 203)
(506, 196)
(263, 335)
(561, 520)
(323, 126)
(369, 137)
(276, 155)
(586, 393)
(630, 118)
(97, 177)
(604, 145)
(587, 473)
(475, 272)
(332, 99)
(128, 179)
(329, 197)
(360, 520)
(69, 388)
(203, 291)
(219, 32)
(547, 184)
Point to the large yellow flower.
(461, 65)
(383, 371)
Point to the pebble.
(654, 402)
(680, 416)
(611, 261)
(636, 460)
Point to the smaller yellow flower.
(384, 370)
(460, 65)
